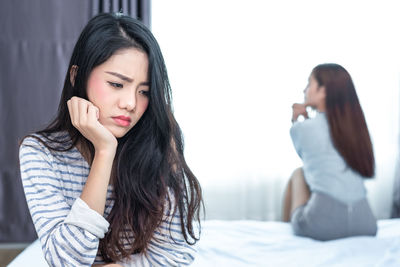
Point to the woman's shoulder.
(42, 142)
(310, 129)
(314, 122)
(52, 148)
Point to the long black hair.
(348, 128)
(149, 168)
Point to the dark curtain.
(36, 42)
(139, 9)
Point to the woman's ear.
(72, 74)
(322, 91)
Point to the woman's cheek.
(147, 105)
(97, 92)
(97, 95)
(144, 106)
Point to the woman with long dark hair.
(106, 181)
(326, 198)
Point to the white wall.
(236, 67)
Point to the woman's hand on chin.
(85, 117)
(299, 109)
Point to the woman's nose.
(128, 100)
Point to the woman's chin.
(118, 132)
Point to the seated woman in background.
(326, 198)
(106, 181)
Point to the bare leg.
(300, 190)
(287, 202)
(297, 193)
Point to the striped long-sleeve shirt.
(69, 231)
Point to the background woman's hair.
(348, 128)
(149, 169)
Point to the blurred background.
(235, 68)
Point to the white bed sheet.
(256, 243)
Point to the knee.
(298, 177)
(297, 173)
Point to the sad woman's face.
(119, 88)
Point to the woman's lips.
(122, 120)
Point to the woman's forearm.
(95, 191)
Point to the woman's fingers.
(73, 111)
(79, 112)
(298, 106)
(82, 111)
(92, 114)
(299, 109)
(69, 105)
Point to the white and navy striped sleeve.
(69, 235)
(163, 250)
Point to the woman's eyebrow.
(122, 77)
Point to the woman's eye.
(143, 92)
(116, 85)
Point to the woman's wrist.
(105, 152)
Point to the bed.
(257, 243)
